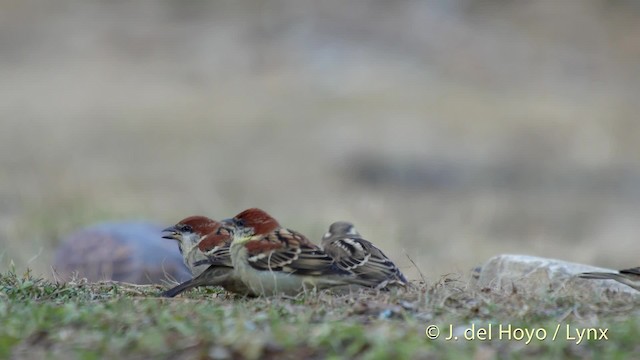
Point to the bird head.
(341, 228)
(191, 230)
(252, 224)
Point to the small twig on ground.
(415, 265)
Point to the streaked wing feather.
(217, 248)
(364, 259)
(291, 252)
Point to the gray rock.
(129, 251)
(541, 277)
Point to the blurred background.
(449, 130)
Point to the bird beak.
(241, 239)
(241, 234)
(173, 233)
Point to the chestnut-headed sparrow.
(204, 244)
(189, 232)
(273, 260)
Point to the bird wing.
(216, 246)
(363, 258)
(291, 252)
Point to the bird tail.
(177, 290)
(599, 275)
(214, 276)
(190, 284)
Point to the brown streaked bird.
(629, 277)
(189, 232)
(273, 260)
(204, 244)
(353, 253)
(127, 251)
(220, 271)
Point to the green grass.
(107, 320)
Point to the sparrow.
(204, 244)
(189, 232)
(629, 277)
(353, 253)
(273, 260)
(214, 275)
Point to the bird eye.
(187, 228)
(240, 223)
